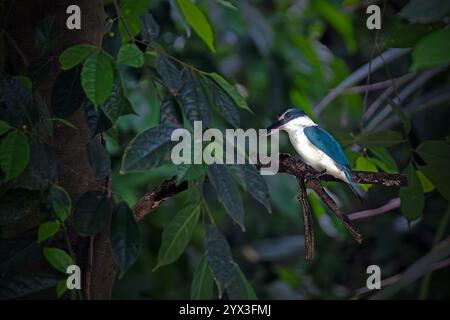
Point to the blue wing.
(327, 143)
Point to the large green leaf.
(130, 55)
(124, 235)
(194, 101)
(91, 213)
(97, 120)
(440, 178)
(15, 204)
(230, 90)
(97, 77)
(223, 102)
(58, 258)
(202, 283)
(421, 11)
(386, 138)
(148, 149)
(433, 50)
(74, 55)
(197, 20)
(219, 258)
(14, 154)
(47, 34)
(4, 127)
(98, 158)
(177, 233)
(169, 73)
(227, 192)
(67, 93)
(239, 287)
(411, 196)
(41, 168)
(384, 155)
(252, 181)
(131, 10)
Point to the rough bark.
(94, 254)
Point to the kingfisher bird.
(316, 146)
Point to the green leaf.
(197, 20)
(440, 178)
(419, 11)
(67, 94)
(252, 182)
(116, 104)
(48, 229)
(169, 73)
(75, 55)
(60, 201)
(227, 4)
(14, 154)
(15, 204)
(406, 36)
(194, 101)
(58, 258)
(61, 288)
(15, 286)
(218, 256)
(97, 120)
(47, 34)
(384, 155)
(150, 28)
(41, 168)
(230, 90)
(177, 233)
(227, 192)
(411, 196)
(239, 287)
(130, 55)
(97, 77)
(202, 284)
(386, 138)
(190, 172)
(131, 10)
(427, 185)
(125, 238)
(223, 102)
(91, 213)
(432, 50)
(25, 82)
(435, 153)
(4, 127)
(341, 22)
(148, 149)
(98, 157)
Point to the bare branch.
(307, 220)
(365, 214)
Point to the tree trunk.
(93, 254)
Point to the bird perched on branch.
(316, 146)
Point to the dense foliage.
(164, 64)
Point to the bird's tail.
(356, 190)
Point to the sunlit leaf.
(197, 20)
(97, 77)
(130, 55)
(58, 258)
(427, 185)
(48, 229)
(230, 90)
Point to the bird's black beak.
(276, 125)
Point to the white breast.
(313, 155)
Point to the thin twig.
(307, 220)
(380, 85)
(365, 214)
(119, 15)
